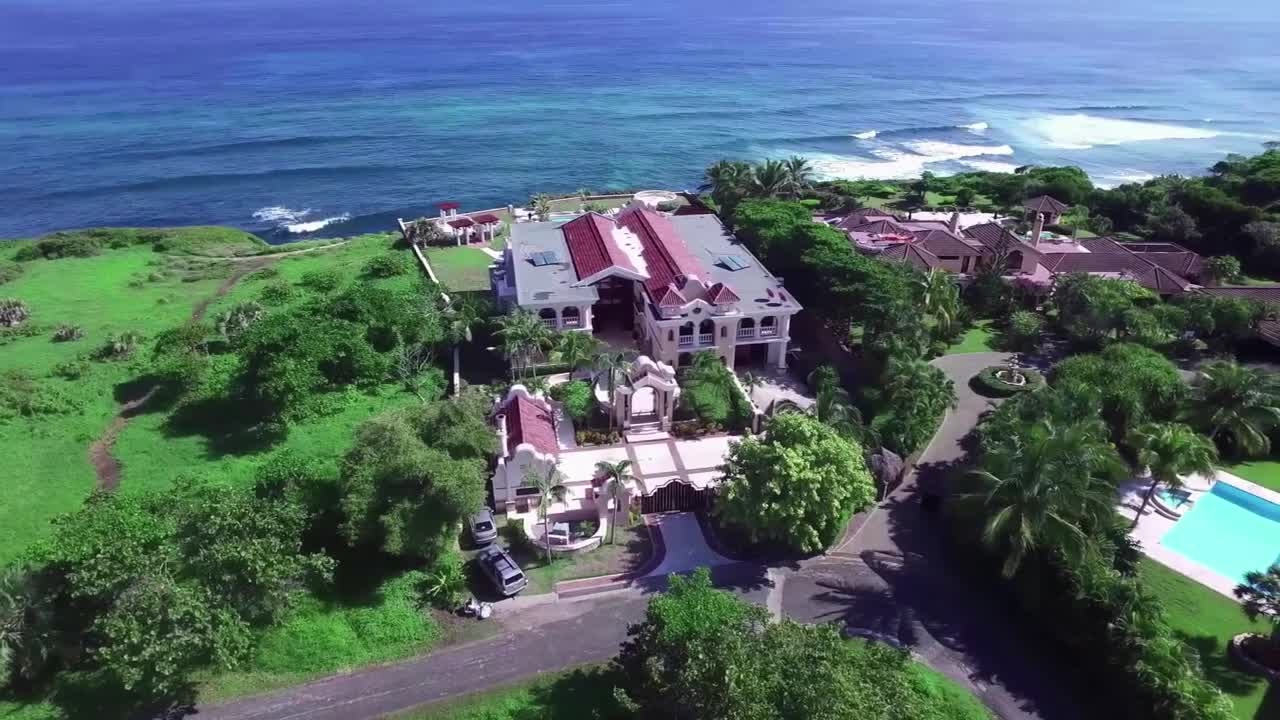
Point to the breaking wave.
(866, 134)
(292, 221)
(1081, 132)
(976, 127)
(895, 164)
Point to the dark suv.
(501, 570)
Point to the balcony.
(706, 338)
(768, 331)
(746, 333)
(550, 322)
(572, 322)
(686, 341)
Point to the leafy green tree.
(610, 365)
(1042, 488)
(770, 228)
(1170, 450)
(1259, 597)
(1025, 328)
(403, 496)
(912, 398)
(575, 397)
(1092, 310)
(28, 639)
(833, 407)
(578, 349)
(798, 485)
(1236, 406)
(616, 476)
(1135, 385)
(1221, 269)
(550, 488)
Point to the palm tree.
(523, 335)
(1236, 404)
(25, 627)
(550, 490)
(727, 181)
(799, 175)
(461, 316)
(833, 407)
(577, 349)
(1170, 450)
(1041, 488)
(771, 179)
(939, 297)
(540, 203)
(610, 364)
(1259, 596)
(617, 475)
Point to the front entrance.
(751, 356)
(675, 496)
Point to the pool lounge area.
(1223, 531)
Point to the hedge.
(986, 383)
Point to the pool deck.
(1153, 527)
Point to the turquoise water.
(1229, 531)
(1173, 498)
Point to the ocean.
(302, 119)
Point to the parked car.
(501, 570)
(483, 531)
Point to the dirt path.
(105, 467)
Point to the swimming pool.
(1229, 531)
(1173, 498)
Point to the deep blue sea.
(297, 118)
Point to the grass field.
(978, 338)
(1264, 472)
(1207, 621)
(461, 269)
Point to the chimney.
(1036, 230)
(954, 225)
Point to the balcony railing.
(706, 338)
(746, 333)
(572, 322)
(686, 341)
(550, 322)
(768, 330)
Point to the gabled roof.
(1045, 204)
(1094, 262)
(589, 238)
(913, 255)
(665, 256)
(1163, 281)
(719, 293)
(884, 226)
(862, 217)
(530, 421)
(941, 242)
(669, 296)
(1185, 263)
(995, 237)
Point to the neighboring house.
(670, 285)
(1035, 259)
(526, 443)
(1269, 329)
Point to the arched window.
(572, 317)
(706, 332)
(746, 328)
(768, 327)
(548, 317)
(686, 334)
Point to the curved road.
(888, 576)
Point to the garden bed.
(1000, 381)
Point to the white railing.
(746, 333)
(768, 330)
(550, 322)
(572, 322)
(686, 340)
(706, 338)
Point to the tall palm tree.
(799, 175)
(834, 408)
(550, 489)
(1170, 450)
(577, 349)
(1043, 488)
(523, 335)
(728, 181)
(939, 297)
(461, 316)
(540, 203)
(617, 475)
(771, 179)
(25, 627)
(609, 364)
(1236, 405)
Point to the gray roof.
(546, 284)
(708, 240)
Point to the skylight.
(546, 257)
(731, 262)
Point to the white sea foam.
(314, 225)
(866, 135)
(892, 164)
(1122, 177)
(1081, 132)
(976, 127)
(994, 166)
(278, 214)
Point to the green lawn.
(461, 269)
(1264, 472)
(630, 550)
(1207, 621)
(978, 338)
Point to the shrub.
(1024, 330)
(21, 395)
(276, 293)
(67, 333)
(445, 581)
(597, 437)
(575, 397)
(267, 273)
(60, 245)
(388, 265)
(517, 539)
(232, 323)
(9, 272)
(71, 369)
(322, 281)
(13, 312)
(119, 345)
(986, 383)
(709, 392)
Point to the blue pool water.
(1229, 531)
(1173, 498)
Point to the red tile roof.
(913, 255)
(669, 296)
(1186, 263)
(1045, 204)
(862, 217)
(529, 421)
(665, 255)
(883, 226)
(486, 218)
(448, 205)
(720, 293)
(591, 246)
(994, 236)
(461, 223)
(941, 242)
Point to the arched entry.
(643, 404)
(675, 496)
